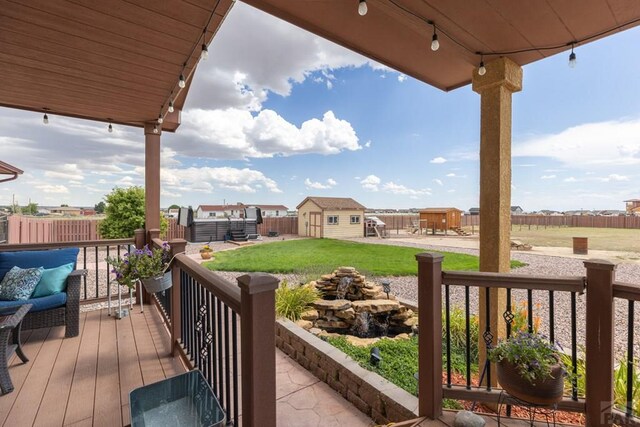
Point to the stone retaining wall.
(376, 397)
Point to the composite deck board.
(86, 380)
(51, 411)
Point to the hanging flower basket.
(157, 284)
(546, 391)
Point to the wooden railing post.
(599, 342)
(258, 346)
(430, 336)
(177, 246)
(138, 238)
(154, 233)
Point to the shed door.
(315, 224)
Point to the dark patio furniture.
(10, 323)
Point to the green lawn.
(324, 255)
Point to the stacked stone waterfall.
(353, 305)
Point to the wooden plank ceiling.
(394, 32)
(107, 60)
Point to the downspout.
(15, 176)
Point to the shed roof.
(398, 33)
(439, 210)
(333, 203)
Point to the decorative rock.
(468, 419)
(402, 315)
(331, 324)
(361, 342)
(336, 304)
(347, 270)
(375, 305)
(309, 315)
(326, 276)
(329, 334)
(305, 324)
(315, 331)
(401, 337)
(411, 322)
(348, 314)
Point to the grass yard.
(607, 239)
(324, 255)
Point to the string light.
(481, 70)
(435, 44)
(181, 82)
(204, 55)
(362, 7)
(170, 109)
(572, 58)
(160, 119)
(45, 119)
(110, 128)
(155, 129)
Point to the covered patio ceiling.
(109, 60)
(397, 33)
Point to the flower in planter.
(140, 264)
(532, 355)
(206, 248)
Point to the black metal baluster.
(530, 310)
(552, 317)
(183, 304)
(97, 279)
(236, 373)
(508, 314)
(574, 349)
(467, 319)
(84, 266)
(227, 372)
(630, 367)
(108, 284)
(220, 336)
(212, 352)
(199, 325)
(488, 336)
(448, 332)
(214, 314)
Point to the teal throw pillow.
(19, 283)
(53, 281)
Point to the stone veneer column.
(151, 176)
(503, 77)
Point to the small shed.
(374, 227)
(440, 219)
(330, 217)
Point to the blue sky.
(272, 120)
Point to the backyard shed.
(330, 217)
(440, 219)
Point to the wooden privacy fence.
(632, 222)
(36, 230)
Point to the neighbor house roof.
(333, 203)
(213, 208)
(632, 200)
(217, 208)
(439, 210)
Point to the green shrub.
(458, 336)
(292, 300)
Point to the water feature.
(362, 325)
(343, 287)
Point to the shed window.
(332, 220)
(355, 219)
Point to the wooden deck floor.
(86, 380)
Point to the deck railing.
(91, 258)
(596, 316)
(213, 322)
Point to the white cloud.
(371, 183)
(393, 188)
(438, 181)
(329, 183)
(614, 177)
(451, 175)
(48, 188)
(207, 179)
(608, 143)
(570, 179)
(69, 171)
(548, 177)
(402, 78)
(438, 160)
(237, 134)
(367, 144)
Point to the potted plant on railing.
(529, 368)
(206, 252)
(147, 265)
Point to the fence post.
(177, 246)
(599, 342)
(258, 346)
(430, 336)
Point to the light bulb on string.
(362, 7)
(160, 119)
(45, 119)
(572, 58)
(482, 70)
(181, 82)
(170, 109)
(435, 44)
(155, 129)
(205, 52)
(110, 128)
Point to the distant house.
(474, 211)
(549, 212)
(330, 217)
(633, 206)
(237, 210)
(516, 210)
(65, 211)
(88, 212)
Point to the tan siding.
(303, 216)
(344, 229)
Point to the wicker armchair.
(68, 315)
